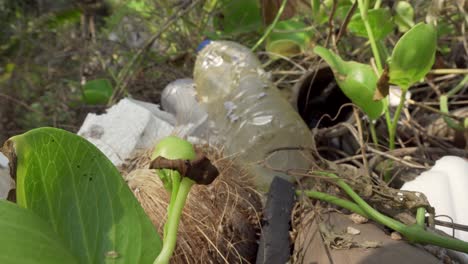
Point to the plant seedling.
(179, 167)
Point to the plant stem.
(420, 216)
(459, 87)
(414, 233)
(363, 7)
(396, 117)
(443, 101)
(448, 71)
(174, 219)
(377, 4)
(373, 133)
(449, 121)
(175, 176)
(333, 200)
(270, 27)
(371, 212)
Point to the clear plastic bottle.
(250, 118)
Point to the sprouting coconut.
(220, 222)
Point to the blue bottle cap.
(203, 44)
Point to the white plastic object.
(6, 182)
(179, 99)
(250, 117)
(127, 126)
(445, 186)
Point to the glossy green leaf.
(380, 21)
(413, 55)
(27, 239)
(240, 16)
(404, 17)
(97, 91)
(289, 38)
(357, 81)
(73, 186)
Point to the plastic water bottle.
(249, 117)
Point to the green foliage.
(289, 37)
(69, 183)
(240, 16)
(380, 20)
(62, 18)
(97, 91)
(28, 239)
(413, 55)
(357, 81)
(404, 17)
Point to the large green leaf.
(26, 238)
(68, 182)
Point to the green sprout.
(179, 167)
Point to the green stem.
(459, 87)
(377, 4)
(333, 200)
(363, 7)
(443, 100)
(373, 133)
(414, 233)
(396, 117)
(420, 216)
(175, 176)
(174, 218)
(270, 27)
(444, 106)
(371, 212)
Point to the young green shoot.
(179, 167)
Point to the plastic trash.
(249, 117)
(179, 99)
(445, 188)
(6, 182)
(127, 126)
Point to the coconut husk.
(220, 222)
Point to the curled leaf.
(357, 81)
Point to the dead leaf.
(382, 86)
